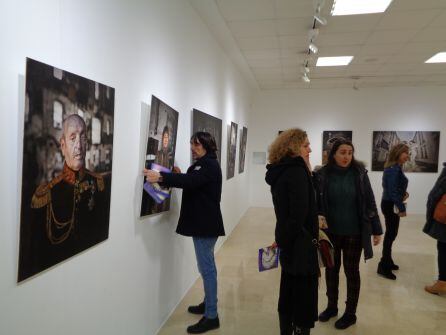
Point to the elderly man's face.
(74, 143)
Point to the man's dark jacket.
(370, 223)
(296, 213)
(200, 213)
(433, 228)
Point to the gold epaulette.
(55, 181)
(41, 197)
(99, 179)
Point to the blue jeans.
(204, 251)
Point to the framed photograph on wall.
(232, 149)
(67, 166)
(208, 123)
(423, 149)
(243, 141)
(329, 137)
(160, 149)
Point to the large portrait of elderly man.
(67, 167)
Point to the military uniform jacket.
(70, 214)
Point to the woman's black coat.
(370, 223)
(200, 213)
(433, 228)
(296, 213)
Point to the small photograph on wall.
(208, 123)
(160, 149)
(67, 166)
(232, 148)
(243, 140)
(423, 148)
(329, 137)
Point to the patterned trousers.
(350, 247)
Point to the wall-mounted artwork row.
(243, 141)
(232, 149)
(208, 123)
(329, 137)
(161, 143)
(423, 149)
(67, 166)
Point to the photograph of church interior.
(260, 238)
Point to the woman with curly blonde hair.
(296, 230)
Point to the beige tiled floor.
(248, 299)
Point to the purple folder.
(268, 258)
(154, 190)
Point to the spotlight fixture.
(312, 34)
(320, 19)
(305, 78)
(318, 4)
(305, 69)
(313, 48)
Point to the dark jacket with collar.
(200, 213)
(433, 228)
(296, 213)
(370, 223)
(394, 186)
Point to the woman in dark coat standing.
(346, 201)
(296, 230)
(437, 231)
(200, 217)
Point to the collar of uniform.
(70, 176)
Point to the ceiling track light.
(305, 69)
(320, 19)
(313, 48)
(305, 78)
(312, 34)
(318, 5)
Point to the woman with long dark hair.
(347, 203)
(393, 205)
(296, 230)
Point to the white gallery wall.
(362, 111)
(131, 282)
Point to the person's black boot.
(393, 266)
(198, 309)
(345, 321)
(204, 325)
(385, 271)
(327, 314)
(286, 324)
(304, 331)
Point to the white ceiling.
(268, 40)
